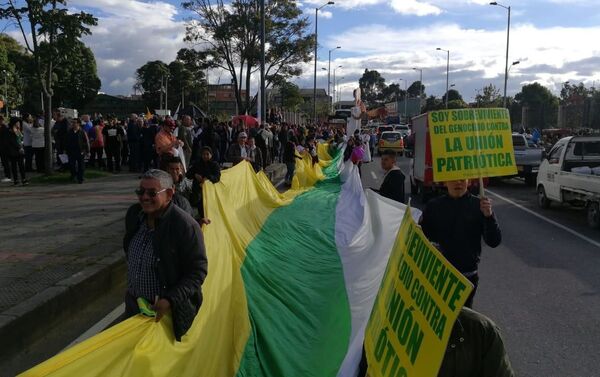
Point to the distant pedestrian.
(96, 137)
(134, 138)
(4, 135)
(289, 159)
(393, 180)
(165, 254)
(77, 147)
(113, 142)
(254, 155)
(149, 131)
(165, 142)
(238, 152)
(16, 152)
(201, 171)
(26, 126)
(38, 144)
(457, 221)
(184, 134)
(182, 185)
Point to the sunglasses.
(151, 193)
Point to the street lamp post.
(316, 56)
(329, 75)
(339, 95)
(405, 100)
(334, 84)
(507, 45)
(263, 98)
(447, 72)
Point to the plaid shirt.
(142, 279)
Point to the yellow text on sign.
(419, 299)
(471, 143)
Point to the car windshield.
(391, 136)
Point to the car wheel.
(593, 215)
(543, 200)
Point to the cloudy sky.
(554, 40)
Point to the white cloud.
(414, 7)
(325, 14)
(130, 33)
(548, 55)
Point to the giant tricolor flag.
(291, 283)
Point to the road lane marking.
(373, 175)
(549, 221)
(99, 326)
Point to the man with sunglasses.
(166, 258)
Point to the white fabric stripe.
(365, 231)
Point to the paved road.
(542, 285)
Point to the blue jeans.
(77, 166)
(291, 168)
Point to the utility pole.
(447, 73)
(263, 97)
(507, 45)
(162, 88)
(316, 56)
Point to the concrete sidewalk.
(60, 248)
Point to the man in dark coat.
(393, 181)
(201, 171)
(165, 253)
(457, 222)
(77, 147)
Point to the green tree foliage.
(230, 33)
(489, 96)
(11, 86)
(290, 96)
(372, 86)
(47, 27)
(76, 77)
(453, 95)
(415, 89)
(541, 106)
(150, 79)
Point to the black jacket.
(181, 262)
(210, 170)
(393, 186)
(11, 144)
(475, 349)
(458, 225)
(77, 142)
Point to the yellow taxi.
(391, 140)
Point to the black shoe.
(15, 183)
(25, 183)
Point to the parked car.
(571, 174)
(391, 140)
(527, 158)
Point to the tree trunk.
(247, 99)
(48, 134)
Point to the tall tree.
(453, 95)
(415, 89)
(229, 32)
(489, 96)
(197, 63)
(10, 84)
(44, 25)
(372, 85)
(76, 76)
(573, 100)
(150, 79)
(391, 93)
(290, 96)
(541, 105)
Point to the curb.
(28, 321)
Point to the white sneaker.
(6, 180)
